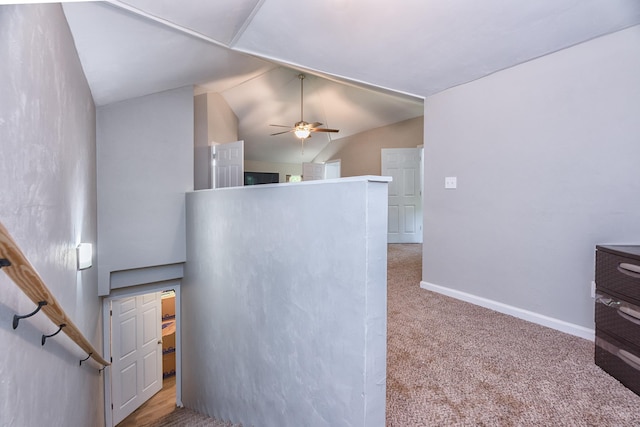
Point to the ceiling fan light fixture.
(302, 130)
(302, 133)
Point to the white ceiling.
(368, 63)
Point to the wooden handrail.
(27, 279)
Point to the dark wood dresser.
(617, 313)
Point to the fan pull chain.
(301, 77)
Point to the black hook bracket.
(44, 337)
(84, 360)
(4, 262)
(16, 318)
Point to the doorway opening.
(158, 328)
(405, 219)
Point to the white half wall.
(284, 303)
(546, 159)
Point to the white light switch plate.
(451, 182)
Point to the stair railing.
(16, 265)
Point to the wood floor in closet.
(163, 403)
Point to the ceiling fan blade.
(280, 133)
(315, 124)
(324, 130)
(281, 126)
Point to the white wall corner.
(530, 316)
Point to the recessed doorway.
(158, 326)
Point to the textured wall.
(48, 203)
(145, 165)
(285, 289)
(546, 155)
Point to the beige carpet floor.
(450, 363)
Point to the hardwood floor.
(160, 405)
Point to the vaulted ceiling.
(368, 63)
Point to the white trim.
(106, 351)
(540, 319)
(106, 323)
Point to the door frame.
(106, 323)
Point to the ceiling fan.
(303, 129)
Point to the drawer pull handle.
(624, 311)
(631, 270)
(630, 312)
(629, 359)
(629, 315)
(608, 301)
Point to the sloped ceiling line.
(165, 22)
(246, 23)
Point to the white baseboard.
(540, 319)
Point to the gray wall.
(285, 286)
(48, 204)
(222, 121)
(546, 155)
(201, 161)
(145, 165)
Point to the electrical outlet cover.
(451, 182)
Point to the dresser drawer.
(619, 360)
(618, 275)
(619, 318)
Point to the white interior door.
(332, 169)
(312, 171)
(227, 161)
(136, 349)
(404, 165)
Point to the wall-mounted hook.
(16, 318)
(84, 360)
(4, 262)
(44, 337)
